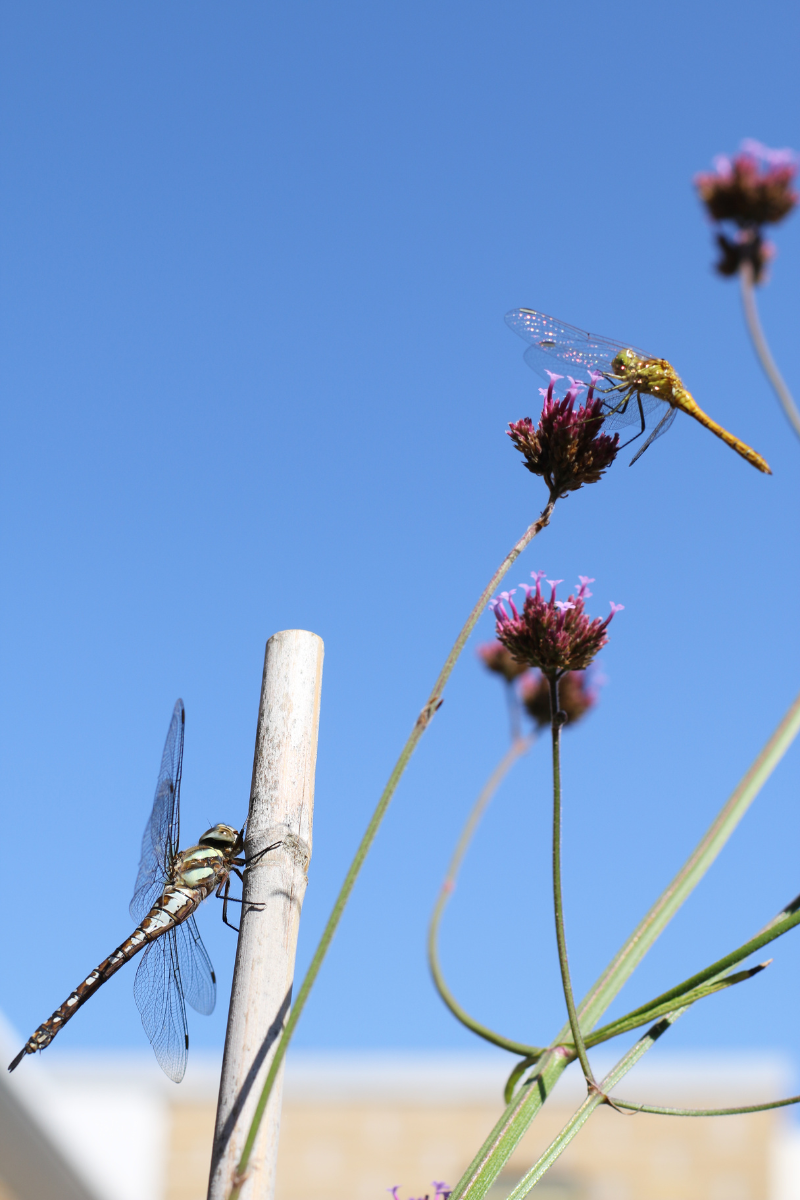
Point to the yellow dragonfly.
(641, 390)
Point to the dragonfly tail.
(689, 405)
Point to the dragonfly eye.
(220, 836)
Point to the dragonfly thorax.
(653, 376)
(224, 838)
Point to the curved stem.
(520, 746)
(747, 282)
(423, 720)
(556, 721)
(704, 1112)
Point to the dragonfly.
(635, 388)
(170, 886)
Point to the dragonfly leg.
(225, 898)
(641, 417)
(223, 894)
(246, 862)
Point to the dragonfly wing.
(196, 973)
(162, 832)
(555, 343)
(638, 409)
(159, 998)
(660, 428)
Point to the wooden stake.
(281, 810)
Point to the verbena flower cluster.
(553, 635)
(497, 659)
(577, 694)
(752, 189)
(567, 448)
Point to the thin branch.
(747, 282)
(423, 720)
(519, 747)
(557, 719)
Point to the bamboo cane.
(281, 810)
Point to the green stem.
(782, 923)
(700, 860)
(706, 1112)
(600, 1095)
(596, 1097)
(520, 746)
(655, 1009)
(525, 1105)
(423, 720)
(556, 722)
(747, 282)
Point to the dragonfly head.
(224, 838)
(625, 363)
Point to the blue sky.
(256, 376)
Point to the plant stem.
(655, 921)
(519, 747)
(556, 722)
(423, 720)
(526, 1103)
(596, 1096)
(706, 1112)
(786, 919)
(747, 282)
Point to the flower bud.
(496, 658)
(577, 693)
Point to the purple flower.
(551, 635)
(751, 189)
(578, 691)
(567, 448)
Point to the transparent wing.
(159, 998)
(553, 341)
(555, 344)
(660, 428)
(620, 412)
(162, 832)
(197, 978)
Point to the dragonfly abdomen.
(173, 906)
(687, 403)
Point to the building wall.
(355, 1125)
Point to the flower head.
(567, 448)
(553, 636)
(751, 189)
(496, 658)
(578, 691)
